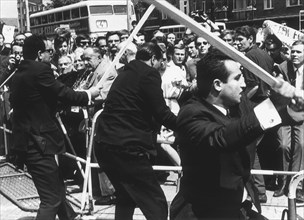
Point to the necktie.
(228, 113)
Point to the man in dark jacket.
(126, 135)
(37, 138)
(215, 142)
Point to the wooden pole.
(179, 16)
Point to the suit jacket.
(286, 68)
(134, 101)
(261, 58)
(215, 154)
(107, 81)
(34, 96)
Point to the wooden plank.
(179, 16)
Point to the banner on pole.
(285, 34)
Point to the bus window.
(182, 29)
(66, 15)
(120, 9)
(51, 18)
(83, 11)
(58, 16)
(44, 19)
(75, 13)
(101, 9)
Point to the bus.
(179, 30)
(85, 17)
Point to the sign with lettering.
(285, 34)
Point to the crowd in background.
(81, 61)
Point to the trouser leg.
(50, 187)
(135, 183)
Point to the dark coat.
(215, 155)
(34, 96)
(261, 58)
(135, 101)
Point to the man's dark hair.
(111, 33)
(246, 31)
(133, 22)
(189, 39)
(32, 45)
(81, 37)
(98, 39)
(272, 39)
(298, 42)
(147, 50)
(209, 68)
(226, 32)
(124, 32)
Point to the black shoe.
(106, 200)
(299, 196)
(279, 192)
(263, 198)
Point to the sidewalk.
(272, 209)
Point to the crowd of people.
(224, 119)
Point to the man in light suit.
(291, 137)
(37, 138)
(215, 131)
(97, 66)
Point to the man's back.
(261, 58)
(34, 96)
(134, 99)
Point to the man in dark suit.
(37, 138)
(126, 135)
(216, 150)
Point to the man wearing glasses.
(202, 46)
(37, 138)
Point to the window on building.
(241, 4)
(268, 4)
(292, 2)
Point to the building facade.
(233, 12)
(33, 6)
(254, 12)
